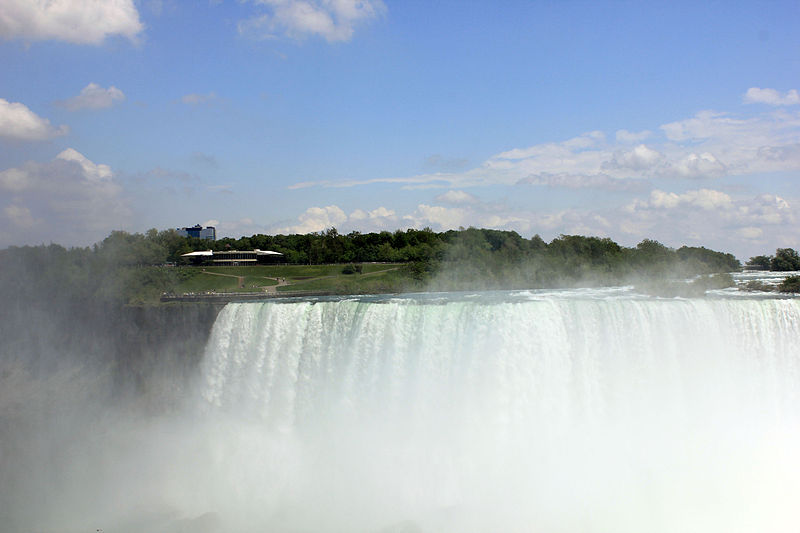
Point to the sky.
(675, 121)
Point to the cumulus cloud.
(713, 218)
(755, 95)
(456, 198)
(438, 217)
(699, 217)
(375, 214)
(704, 165)
(93, 97)
(640, 158)
(708, 145)
(316, 219)
(703, 198)
(333, 20)
(71, 199)
(73, 21)
(196, 98)
(19, 123)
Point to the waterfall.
(504, 412)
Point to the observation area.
(233, 257)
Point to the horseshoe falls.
(562, 411)
(571, 411)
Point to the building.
(199, 232)
(233, 257)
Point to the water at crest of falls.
(570, 411)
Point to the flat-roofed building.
(234, 257)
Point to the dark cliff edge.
(113, 352)
(83, 386)
(158, 348)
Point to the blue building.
(199, 232)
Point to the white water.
(580, 411)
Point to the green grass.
(387, 279)
(323, 278)
(202, 281)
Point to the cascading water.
(502, 412)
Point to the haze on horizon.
(670, 120)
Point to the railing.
(237, 296)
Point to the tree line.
(128, 267)
(784, 260)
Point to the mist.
(556, 410)
(92, 396)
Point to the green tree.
(761, 262)
(785, 259)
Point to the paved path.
(273, 289)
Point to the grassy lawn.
(387, 279)
(374, 278)
(202, 281)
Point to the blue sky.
(678, 121)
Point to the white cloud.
(17, 122)
(456, 198)
(700, 217)
(70, 200)
(705, 125)
(714, 219)
(703, 198)
(196, 98)
(375, 214)
(438, 217)
(638, 159)
(755, 95)
(580, 181)
(703, 165)
(333, 20)
(709, 145)
(316, 219)
(664, 200)
(93, 97)
(750, 233)
(708, 199)
(625, 136)
(74, 21)
(91, 171)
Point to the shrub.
(352, 269)
(790, 284)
